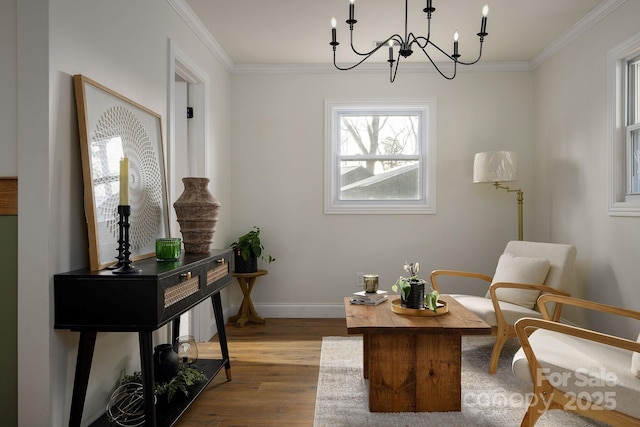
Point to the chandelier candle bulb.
(333, 32)
(124, 181)
(485, 12)
(352, 8)
(455, 45)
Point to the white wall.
(8, 79)
(123, 45)
(277, 183)
(571, 153)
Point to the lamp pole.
(520, 200)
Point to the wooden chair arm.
(468, 274)
(526, 286)
(527, 325)
(589, 305)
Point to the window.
(633, 124)
(624, 100)
(380, 157)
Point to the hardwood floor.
(274, 370)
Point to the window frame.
(621, 202)
(426, 203)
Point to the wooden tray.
(443, 308)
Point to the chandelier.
(408, 43)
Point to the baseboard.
(296, 310)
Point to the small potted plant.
(246, 251)
(412, 293)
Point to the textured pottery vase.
(165, 363)
(197, 212)
(415, 299)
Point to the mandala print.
(145, 181)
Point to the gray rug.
(487, 400)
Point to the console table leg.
(146, 362)
(175, 329)
(222, 335)
(81, 381)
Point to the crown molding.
(373, 68)
(196, 25)
(579, 28)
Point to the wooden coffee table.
(413, 363)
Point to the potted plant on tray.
(246, 251)
(412, 293)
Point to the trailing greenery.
(404, 284)
(187, 376)
(250, 244)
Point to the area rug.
(487, 400)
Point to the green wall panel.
(9, 320)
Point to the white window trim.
(427, 204)
(620, 204)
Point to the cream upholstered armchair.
(524, 270)
(576, 369)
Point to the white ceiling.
(286, 32)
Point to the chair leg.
(535, 410)
(501, 338)
(541, 401)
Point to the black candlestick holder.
(124, 263)
(120, 256)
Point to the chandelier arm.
(477, 59)
(367, 54)
(351, 67)
(417, 40)
(455, 67)
(427, 43)
(392, 72)
(375, 49)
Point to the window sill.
(624, 209)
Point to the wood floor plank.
(274, 370)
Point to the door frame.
(200, 320)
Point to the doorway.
(187, 156)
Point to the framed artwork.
(112, 128)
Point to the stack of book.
(369, 298)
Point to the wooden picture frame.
(112, 126)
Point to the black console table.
(100, 301)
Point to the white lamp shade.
(495, 166)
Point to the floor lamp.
(497, 167)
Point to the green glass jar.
(168, 249)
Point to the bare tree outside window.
(379, 156)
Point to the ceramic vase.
(165, 363)
(415, 299)
(197, 213)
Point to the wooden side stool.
(247, 312)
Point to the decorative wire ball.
(186, 348)
(126, 405)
